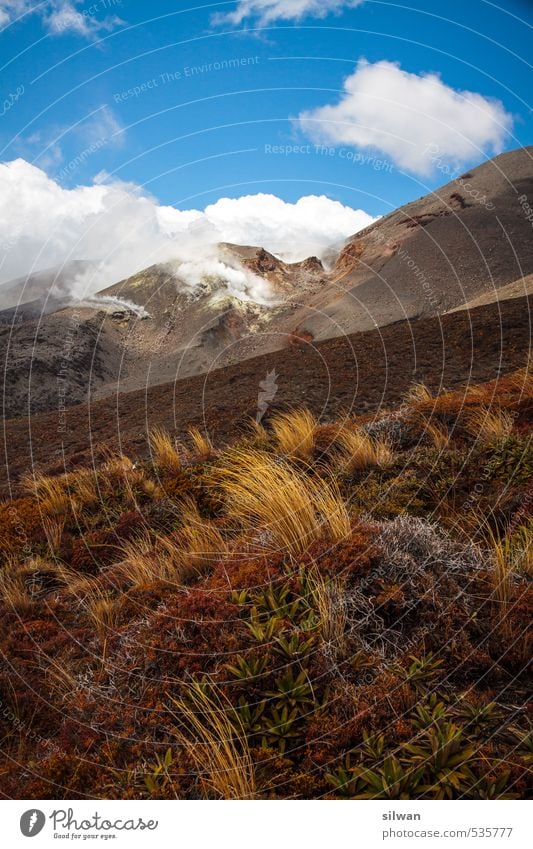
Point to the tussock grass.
(60, 678)
(216, 745)
(201, 542)
(53, 527)
(201, 447)
(117, 466)
(489, 425)
(328, 598)
(84, 484)
(294, 434)
(176, 558)
(264, 493)
(51, 493)
(165, 453)
(259, 432)
(523, 549)
(103, 612)
(418, 393)
(359, 451)
(437, 434)
(502, 557)
(143, 564)
(13, 588)
(519, 383)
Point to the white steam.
(121, 230)
(111, 303)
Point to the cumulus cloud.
(122, 230)
(267, 11)
(406, 115)
(291, 230)
(61, 16)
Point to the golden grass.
(85, 486)
(13, 588)
(60, 678)
(143, 564)
(176, 558)
(51, 493)
(53, 527)
(201, 542)
(103, 612)
(294, 434)
(259, 431)
(201, 448)
(437, 433)
(265, 493)
(327, 596)
(358, 451)
(522, 547)
(165, 453)
(489, 425)
(417, 393)
(503, 570)
(510, 555)
(216, 745)
(520, 383)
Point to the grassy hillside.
(318, 610)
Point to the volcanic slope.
(358, 373)
(468, 243)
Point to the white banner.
(267, 825)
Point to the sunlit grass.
(165, 454)
(294, 434)
(216, 745)
(265, 493)
(359, 451)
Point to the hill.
(322, 610)
(458, 246)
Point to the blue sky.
(287, 97)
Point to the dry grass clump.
(165, 453)
(265, 493)
(437, 433)
(329, 600)
(53, 527)
(201, 542)
(51, 493)
(259, 432)
(418, 393)
(84, 484)
(511, 554)
(176, 558)
(14, 591)
(215, 743)
(489, 425)
(103, 611)
(520, 382)
(359, 451)
(294, 434)
(523, 549)
(201, 447)
(144, 563)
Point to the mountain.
(469, 243)
(39, 293)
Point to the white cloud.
(123, 230)
(61, 16)
(292, 230)
(267, 11)
(401, 114)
